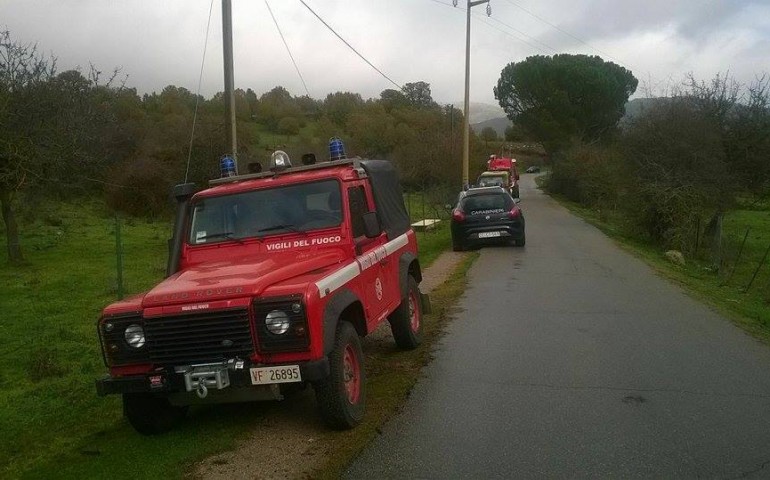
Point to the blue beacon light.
(336, 149)
(227, 166)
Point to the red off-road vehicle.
(505, 167)
(272, 279)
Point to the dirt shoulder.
(291, 441)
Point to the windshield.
(487, 203)
(492, 181)
(258, 213)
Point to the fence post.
(697, 236)
(119, 253)
(737, 259)
(764, 257)
(424, 225)
(409, 206)
(717, 243)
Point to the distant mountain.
(637, 107)
(481, 112)
(498, 124)
(486, 115)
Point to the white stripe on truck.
(334, 281)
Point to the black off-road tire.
(521, 241)
(406, 322)
(339, 408)
(150, 414)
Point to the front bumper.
(469, 235)
(169, 381)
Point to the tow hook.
(201, 378)
(202, 391)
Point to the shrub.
(140, 187)
(676, 155)
(589, 174)
(288, 126)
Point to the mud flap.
(425, 303)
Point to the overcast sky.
(160, 42)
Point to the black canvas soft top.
(388, 195)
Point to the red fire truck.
(273, 278)
(503, 164)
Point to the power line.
(198, 92)
(485, 22)
(524, 34)
(534, 15)
(442, 3)
(350, 46)
(287, 47)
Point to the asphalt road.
(572, 359)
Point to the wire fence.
(737, 252)
(429, 206)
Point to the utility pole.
(452, 132)
(227, 50)
(466, 110)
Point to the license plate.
(268, 375)
(489, 234)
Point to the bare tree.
(22, 72)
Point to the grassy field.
(52, 422)
(713, 277)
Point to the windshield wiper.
(282, 226)
(226, 235)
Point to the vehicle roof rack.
(301, 168)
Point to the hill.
(500, 122)
(481, 112)
(498, 125)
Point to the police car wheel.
(521, 241)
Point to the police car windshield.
(491, 182)
(259, 213)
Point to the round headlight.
(277, 322)
(296, 307)
(134, 336)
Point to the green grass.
(430, 205)
(52, 422)
(708, 277)
(50, 353)
(432, 243)
(265, 138)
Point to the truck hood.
(237, 277)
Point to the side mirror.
(517, 200)
(372, 227)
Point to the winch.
(200, 378)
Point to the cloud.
(161, 43)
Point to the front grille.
(199, 337)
